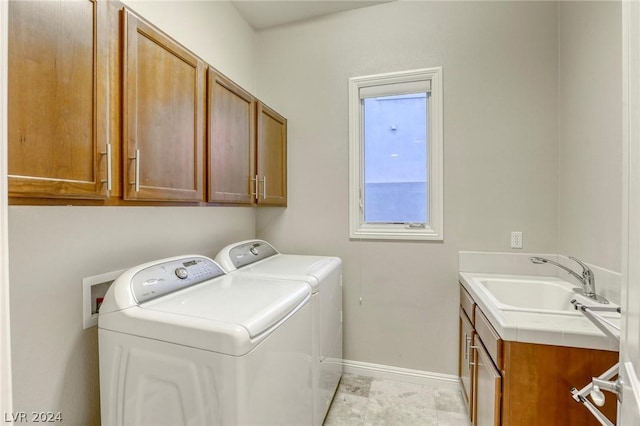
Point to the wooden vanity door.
(465, 359)
(487, 388)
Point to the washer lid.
(255, 304)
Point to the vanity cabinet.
(524, 384)
(480, 379)
(57, 88)
(487, 381)
(163, 116)
(537, 380)
(465, 355)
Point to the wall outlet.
(516, 240)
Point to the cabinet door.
(487, 388)
(272, 156)
(163, 128)
(465, 359)
(57, 113)
(231, 142)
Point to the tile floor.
(363, 401)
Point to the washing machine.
(183, 343)
(324, 276)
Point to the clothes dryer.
(324, 275)
(183, 343)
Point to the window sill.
(400, 232)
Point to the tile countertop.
(569, 328)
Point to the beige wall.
(211, 29)
(55, 361)
(499, 64)
(590, 109)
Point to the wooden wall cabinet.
(104, 108)
(525, 384)
(247, 147)
(231, 142)
(271, 157)
(163, 116)
(57, 91)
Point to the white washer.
(324, 275)
(182, 343)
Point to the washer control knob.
(181, 273)
(254, 251)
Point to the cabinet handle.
(109, 177)
(264, 187)
(467, 342)
(255, 194)
(136, 181)
(472, 360)
(466, 346)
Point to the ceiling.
(261, 14)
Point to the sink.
(531, 294)
(538, 309)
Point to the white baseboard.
(387, 372)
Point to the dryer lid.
(294, 264)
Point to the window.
(395, 147)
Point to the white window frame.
(396, 83)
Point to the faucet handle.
(586, 271)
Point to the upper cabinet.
(163, 116)
(231, 142)
(247, 151)
(57, 112)
(271, 157)
(106, 109)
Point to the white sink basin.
(538, 309)
(531, 294)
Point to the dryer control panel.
(250, 252)
(164, 278)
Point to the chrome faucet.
(587, 279)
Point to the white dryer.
(324, 275)
(183, 343)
